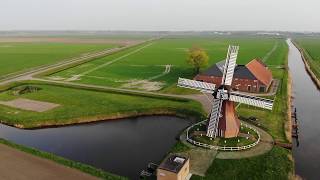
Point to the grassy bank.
(273, 165)
(79, 106)
(311, 56)
(82, 167)
(311, 52)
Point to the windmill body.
(223, 120)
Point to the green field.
(23, 56)
(311, 47)
(273, 165)
(144, 67)
(77, 105)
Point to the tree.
(198, 58)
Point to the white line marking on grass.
(115, 60)
(166, 71)
(266, 57)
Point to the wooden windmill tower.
(223, 120)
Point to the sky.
(160, 15)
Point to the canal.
(307, 102)
(123, 147)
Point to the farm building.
(252, 77)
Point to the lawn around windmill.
(247, 136)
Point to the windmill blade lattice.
(214, 118)
(251, 100)
(197, 85)
(230, 65)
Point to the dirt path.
(200, 158)
(17, 165)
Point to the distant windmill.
(223, 120)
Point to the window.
(249, 88)
(262, 89)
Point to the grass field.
(82, 105)
(144, 67)
(311, 47)
(273, 165)
(15, 56)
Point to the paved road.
(18, 165)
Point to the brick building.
(174, 167)
(253, 77)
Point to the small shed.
(174, 167)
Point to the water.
(307, 102)
(123, 147)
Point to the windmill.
(223, 120)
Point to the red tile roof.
(260, 71)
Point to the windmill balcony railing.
(223, 148)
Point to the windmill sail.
(251, 100)
(214, 118)
(191, 84)
(230, 65)
(223, 94)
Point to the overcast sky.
(292, 15)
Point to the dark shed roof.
(213, 71)
(173, 163)
(241, 71)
